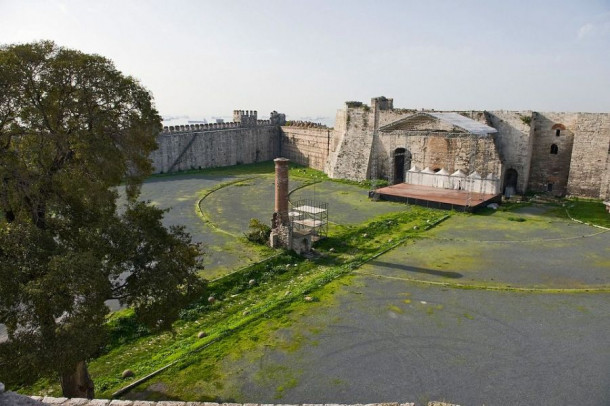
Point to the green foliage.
(589, 211)
(123, 327)
(527, 120)
(72, 128)
(258, 232)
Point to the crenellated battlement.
(241, 118)
(246, 118)
(199, 127)
(189, 128)
(304, 124)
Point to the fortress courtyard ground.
(494, 308)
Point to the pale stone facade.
(556, 153)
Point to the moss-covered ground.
(251, 301)
(523, 249)
(269, 315)
(249, 310)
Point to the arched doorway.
(399, 165)
(510, 182)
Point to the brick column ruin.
(281, 189)
(280, 224)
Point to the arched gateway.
(510, 182)
(401, 157)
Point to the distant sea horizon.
(184, 120)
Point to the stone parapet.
(107, 402)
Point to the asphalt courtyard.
(505, 309)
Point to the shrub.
(258, 232)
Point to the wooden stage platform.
(439, 198)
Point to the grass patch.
(259, 168)
(368, 184)
(588, 211)
(241, 308)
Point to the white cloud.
(585, 30)
(598, 28)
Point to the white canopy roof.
(474, 174)
(442, 172)
(459, 173)
(466, 123)
(454, 119)
(414, 168)
(427, 170)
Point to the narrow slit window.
(558, 132)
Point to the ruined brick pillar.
(281, 189)
(280, 224)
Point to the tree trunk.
(77, 383)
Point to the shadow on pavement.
(408, 268)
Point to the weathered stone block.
(53, 401)
(77, 402)
(99, 402)
(144, 403)
(119, 402)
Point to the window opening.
(554, 149)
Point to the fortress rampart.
(199, 146)
(307, 146)
(528, 151)
(556, 153)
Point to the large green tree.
(72, 129)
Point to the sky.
(305, 58)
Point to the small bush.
(258, 232)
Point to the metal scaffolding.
(310, 217)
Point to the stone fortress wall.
(526, 148)
(305, 143)
(556, 153)
(199, 146)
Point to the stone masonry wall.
(354, 150)
(514, 143)
(223, 145)
(353, 155)
(550, 168)
(589, 171)
(306, 146)
(354, 134)
(605, 186)
(437, 151)
(581, 166)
